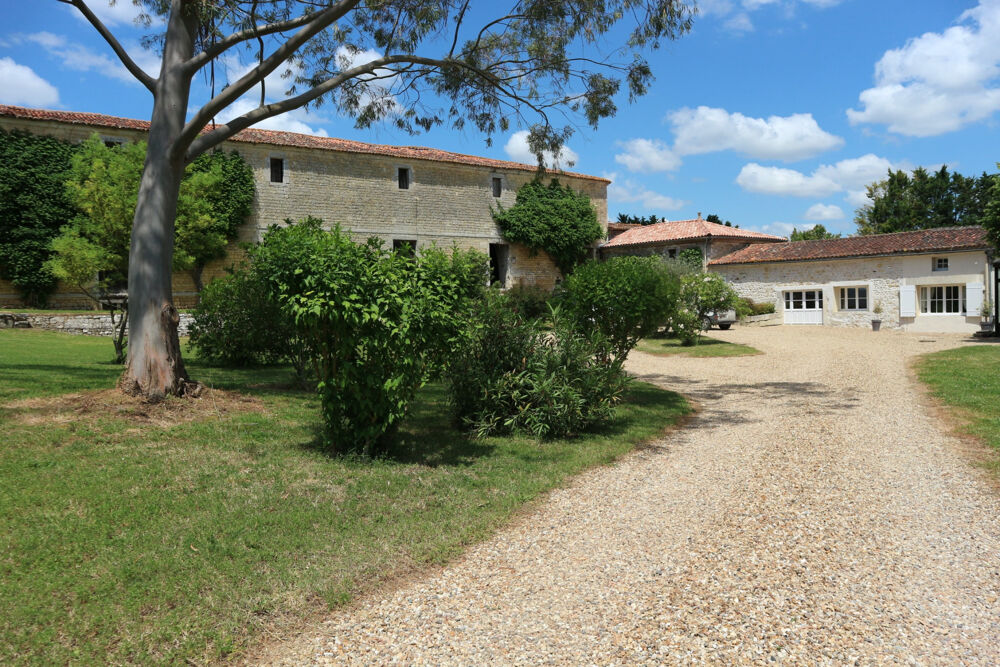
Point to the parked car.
(720, 318)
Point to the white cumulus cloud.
(76, 56)
(849, 176)
(517, 149)
(707, 129)
(20, 85)
(630, 192)
(647, 155)
(779, 181)
(112, 12)
(824, 212)
(938, 82)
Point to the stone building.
(669, 238)
(932, 280)
(406, 195)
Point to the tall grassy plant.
(624, 298)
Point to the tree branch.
(222, 132)
(136, 71)
(218, 48)
(233, 92)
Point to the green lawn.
(706, 347)
(132, 534)
(968, 380)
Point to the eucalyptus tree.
(414, 63)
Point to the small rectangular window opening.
(277, 170)
(407, 247)
(499, 256)
(403, 177)
(940, 263)
(497, 187)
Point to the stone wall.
(883, 276)
(447, 203)
(98, 324)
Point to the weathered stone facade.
(882, 276)
(449, 200)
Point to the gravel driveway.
(813, 512)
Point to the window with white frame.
(853, 298)
(939, 264)
(942, 299)
(804, 300)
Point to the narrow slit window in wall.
(497, 187)
(277, 170)
(403, 178)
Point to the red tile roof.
(684, 230)
(276, 138)
(922, 241)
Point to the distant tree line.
(906, 201)
(626, 219)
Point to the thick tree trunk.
(155, 368)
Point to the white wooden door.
(804, 307)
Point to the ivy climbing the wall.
(33, 206)
(554, 219)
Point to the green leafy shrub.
(530, 301)
(511, 376)
(238, 322)
(379, 324)
(746, 307)
(700, 294)
(625, 298)
(554, 219)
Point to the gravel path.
(813, 512)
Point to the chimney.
(699, 215)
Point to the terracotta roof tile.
(276, 138)
(922, 241)
(683, 230)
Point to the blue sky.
(770, 113)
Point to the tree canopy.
(816, 233)
(626, 219)
(923, 200)
(102, 185)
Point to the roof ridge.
(292, 139)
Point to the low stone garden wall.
(767, 319)
(98, 324)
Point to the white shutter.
(907, 301)
(973, 298)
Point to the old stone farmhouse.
(668, 239)
(407, 195)
(932, 280)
